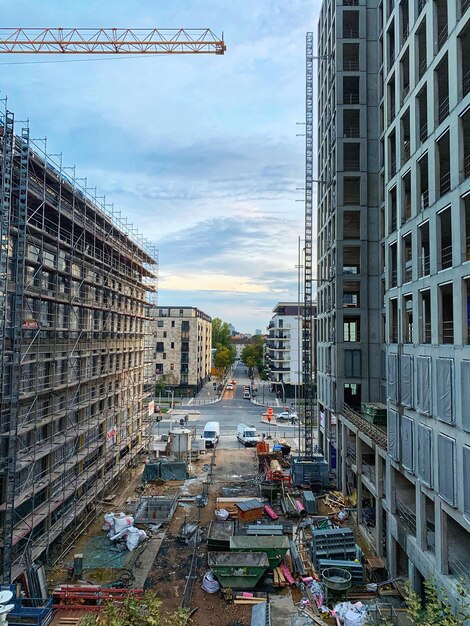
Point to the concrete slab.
(282, 608)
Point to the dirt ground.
(167, 576)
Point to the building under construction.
(77, 289)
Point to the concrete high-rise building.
(409, 62)
(425, 246)
(75, 373)
(348, 300)
(183, 348)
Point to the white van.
(211, 434)
(247, 435)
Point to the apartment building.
(349, 351)
(183, 348)
(425, 251)
(415, 473)
(284, 348)
(73, 320)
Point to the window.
(446, 468)
(160, 346)
(351, 329)
(424, 464)
(352, 363)
(160, 323)
(172, 345)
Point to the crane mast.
(110, 41)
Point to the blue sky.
(199, 152)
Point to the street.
(230, 411)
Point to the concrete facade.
(413, 176)
(183, 347)
(425, 241)
(349, 351)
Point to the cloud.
(199, 152)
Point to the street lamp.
(172, 393)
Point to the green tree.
(134, 611)
(253, 355)
(434, 608)
(226, 352)
(221, 334)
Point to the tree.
(225, 351)
(221, 334)
(253, 355)
(434, 609)
(134, 611)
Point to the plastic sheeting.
(446, 467)
(392, 377)
(393, 430)
(425, 465)
(406, 369)
(465, 394)
(466, 483)
(407, 443)
(165, 470)
(423, 385)
(445, 386)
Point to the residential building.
(414, 190)
(284, 348)
(183, 348)
(425, 65)
(348, 298)
(74, 317)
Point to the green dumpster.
(275, 547)
(240, 570)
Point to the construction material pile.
(121, 530)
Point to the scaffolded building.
(77, 291)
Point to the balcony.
(426, 332)
(448, 331)
(466, 78)
(377, 434)
(352, 165)
(424, 200)
(407, 516)
(466, 166)
(351, 97)
(350, 33)
(443, 109)
(446, 257)
(423, 133)
(444, 183)
(350, 65)
(351, 132)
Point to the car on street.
(286, 415)
(233, 381)
(229, 387)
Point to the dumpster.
(274, 547)
(240, 570)
(218, 538)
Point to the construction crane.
(110, 41)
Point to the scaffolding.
(78, 286)
(308, 328)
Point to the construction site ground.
(163, 562)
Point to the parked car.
(286, 415)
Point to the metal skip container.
(241, 570)
(274, 547)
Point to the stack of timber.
(250, 599)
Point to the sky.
(199, 152)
